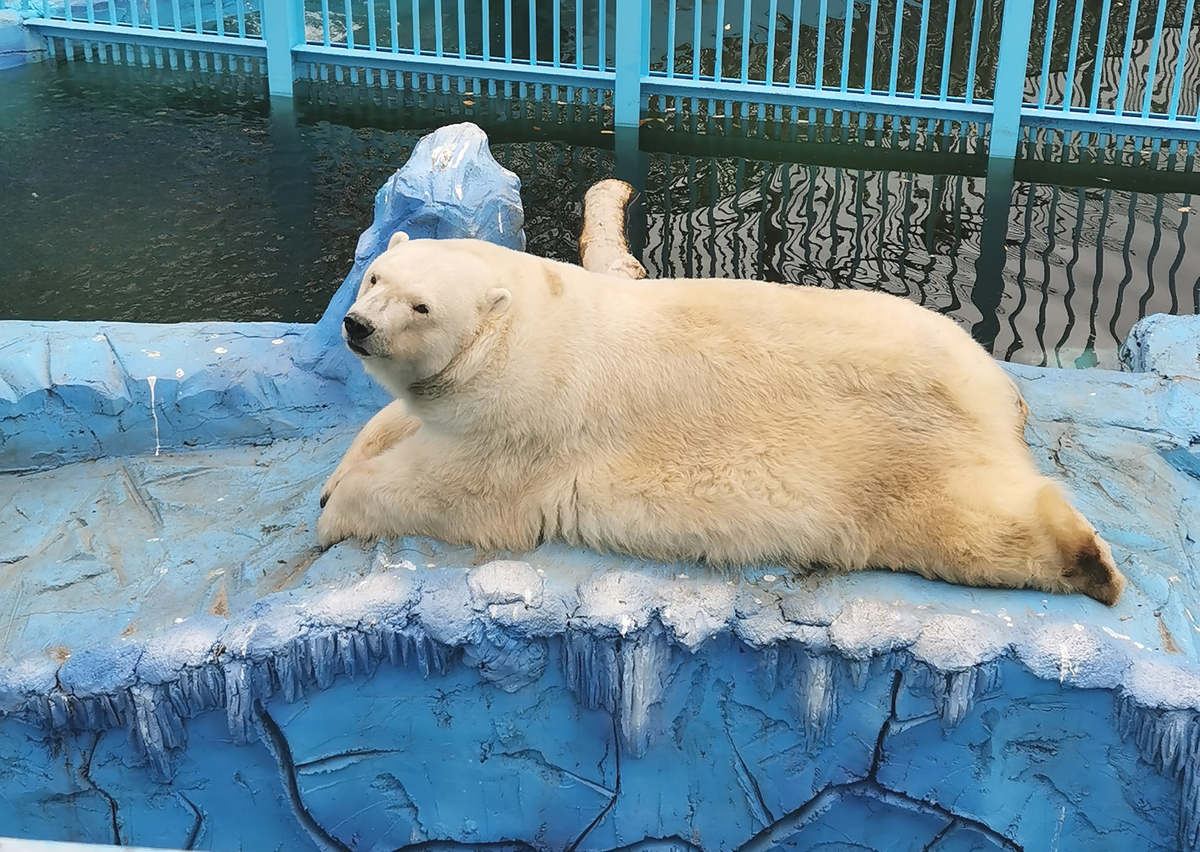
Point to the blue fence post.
(282, 30)
(1016, 26)
(628, 62)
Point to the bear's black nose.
(357, 330)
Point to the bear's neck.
(464, 370)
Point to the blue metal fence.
(1013, 72)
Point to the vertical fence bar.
(919, 81)
(720, 39)
(602, 46)
(532, 32)
(897, 29)
(947, 50)
(869, 73)
(769, 71)
(847, 38)
(697, 18)
(823, 13)
(1181, 63)
(976, 27)
(556, 29)
(485, 21)
(438, 42)
(1047, 49)
(670, 38)
(1073, 55)
(745, 78)
(1098, 65)
(1127, 57)
(745, 46)
(1155, 46)
(416, 26)
(1015, 30)
(462, 27)
(372, 40)
(794, 51)
(628, 61)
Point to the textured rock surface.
(175, 655)
(1166, 345)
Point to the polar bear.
(729, 422)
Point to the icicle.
(239, 701)
(148, 732)
(860, 671)
(644, 666)
(112, 718)
(591, 670)
(375, 644)
(768, 670)
(323, 649)
(59, 714)
(959, 697)
(1171, 733)
(816, 692)
(364, 660)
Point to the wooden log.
(603, 245)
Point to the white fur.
(735, 422)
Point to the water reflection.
(1040, 273)
(167, 203)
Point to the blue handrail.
(979, 75)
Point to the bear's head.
(420, 306)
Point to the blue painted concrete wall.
(175, 655)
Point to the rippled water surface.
(133, 196)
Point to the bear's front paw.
(330, 529)
(332, 482)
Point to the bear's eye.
(421, 308)
(372, 279)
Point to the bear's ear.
(397, 238)
(498, 300)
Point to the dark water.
(131, 194)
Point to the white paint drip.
(179, 373)
(220, 350)
(1114, 634)
(150, 380)
(278, 341)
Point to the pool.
(151, 195)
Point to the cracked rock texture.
(180, 668)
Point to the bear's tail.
(1088, 565)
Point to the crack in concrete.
(317, 762)
(536, 757)
(940, 836)
(197, 824)
(277, 746)
(746, 779)
(774, 835)
(616, 789)
(85, 776)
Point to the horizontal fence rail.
(1022, 74)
